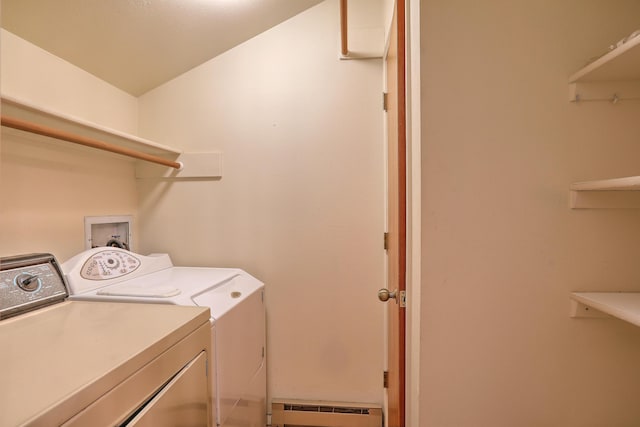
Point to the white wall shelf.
(613, 76)
(630, 183)
(20, 109)
(606, 193)
(194, 165)
(622, 305)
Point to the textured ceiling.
(137, 45)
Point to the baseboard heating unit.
(293, 413)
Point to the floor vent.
(294, 413)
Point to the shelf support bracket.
(611, 91)
(580, 310)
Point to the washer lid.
(137, 290)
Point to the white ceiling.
(137, 45)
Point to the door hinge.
(403, 299)
(385, 379)
(385, 101)
(386, 241)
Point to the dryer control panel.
(28, 282)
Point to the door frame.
(395, 120)
(414, 208)
(414, 212)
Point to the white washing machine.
(236, 301)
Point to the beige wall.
(300, 203)
(47, 187)
(38, 77)
(501, 249)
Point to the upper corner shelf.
(20, 109)
(615, 75)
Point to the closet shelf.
(615, 184)
(622, 305)
(613, 76)
(23, 110)
(173, 162)
(606, 193)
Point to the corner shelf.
(613, 76)
(606, 193)
(621, 305)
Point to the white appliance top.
(53, 365)
(114, 274)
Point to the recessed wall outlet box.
(108, 231)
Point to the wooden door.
(396, 215)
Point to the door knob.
(384, 295)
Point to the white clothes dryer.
(236, 301)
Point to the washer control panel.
(109, 264)
(101, 267)
(28, 282)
